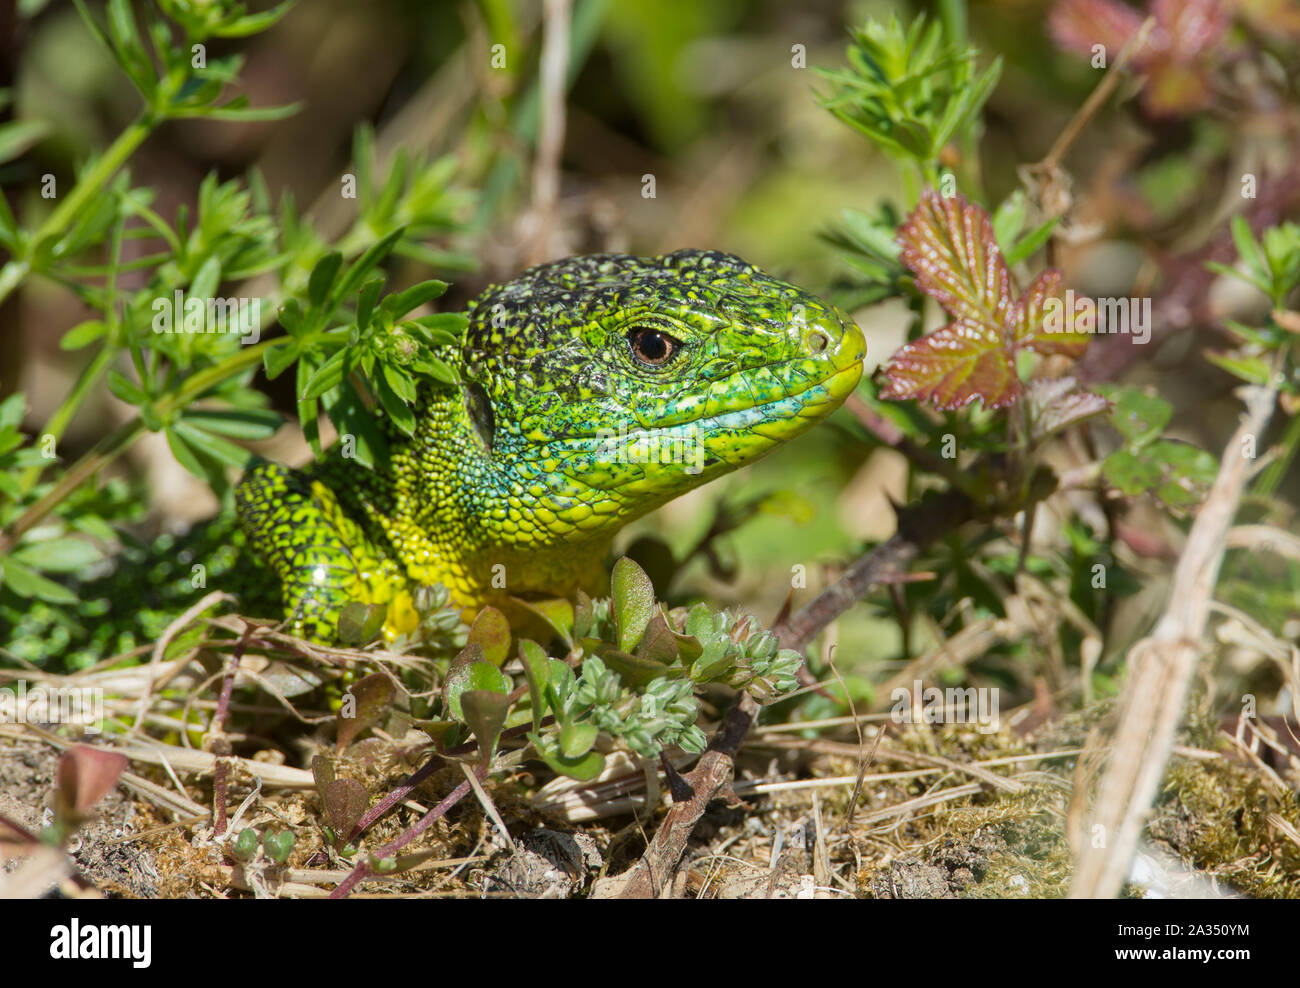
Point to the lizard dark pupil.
(653, 347)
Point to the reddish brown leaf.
(1029, 317)
(1191, 28)
(1077, 25)
(1179, 56)
(952, 367)
(950, 247)
(85, 775)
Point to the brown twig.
(710, 778)
(217, 739)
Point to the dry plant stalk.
(1161, 668)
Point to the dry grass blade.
(1161, 669)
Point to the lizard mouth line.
(743, 417)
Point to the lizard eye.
(652, 347)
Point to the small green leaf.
(659, 643)
(238, 423)
(582, 769)
(1140, 417)
(485, 713)
(555, 611)
(364, 704)
(537, 671)
(360, 624)
(83, 334)
(326, 377)
(322, 277)
(416, 296)
(126, 389)
(576, 739)
(28, 583)
(61, 555)
(278, 845)
(245, 846)
(633, 599)
(491, 632)
(366, 300)
(469, 671)
(633, 670)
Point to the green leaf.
(416, 296)
(633, 670)
(556, 612)
(485, 713)
(206, 279)
(60, 555)
(659, 643)
(327, 377)
(17, 137)
(278, 845)
(360, 623)
(469, 672)
(577, 739)
(83, 334)
(1253, 370)
(1030, 242)
(322, 277)
(633, 600)
(363, 265)
(537, 670)
(221, 450)
(364, 704)
(238, 423)
(1140, 417)
(366, 300)
(401, 414)
(249, 24)
(186, 457)
(28, 583)
(126, 389)
(582, 769)
(491, 632)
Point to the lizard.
(591, 391)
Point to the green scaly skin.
(561, 433)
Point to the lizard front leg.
(321, 557)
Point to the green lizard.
(592, 390)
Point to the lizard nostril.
(816, 340)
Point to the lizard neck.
(452, 511)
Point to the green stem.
(11, 276)
(90, 375)
(90, 185)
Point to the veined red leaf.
(950, 246)
(952, 367)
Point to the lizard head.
(600, 387)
